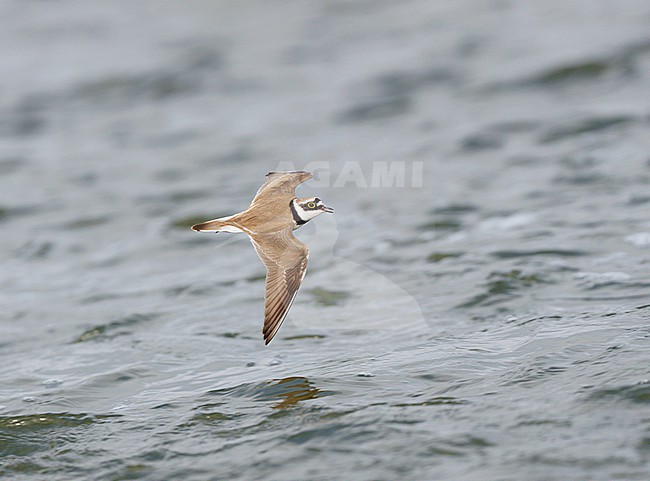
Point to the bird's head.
(309, 207)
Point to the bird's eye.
(311, 205)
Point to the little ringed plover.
(269, 221)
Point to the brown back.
(270, 211)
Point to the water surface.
(490, 324)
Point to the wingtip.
(273, 172)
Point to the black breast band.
(295, 215)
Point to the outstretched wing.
(285, 258)
(281, 186)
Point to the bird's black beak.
(324, 208)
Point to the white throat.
(302, 216)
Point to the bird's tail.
(221, 224)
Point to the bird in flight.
(269, 221)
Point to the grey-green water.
(489, 324)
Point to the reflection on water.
(289, 391)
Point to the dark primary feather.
(285, 258)
(281, 186)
